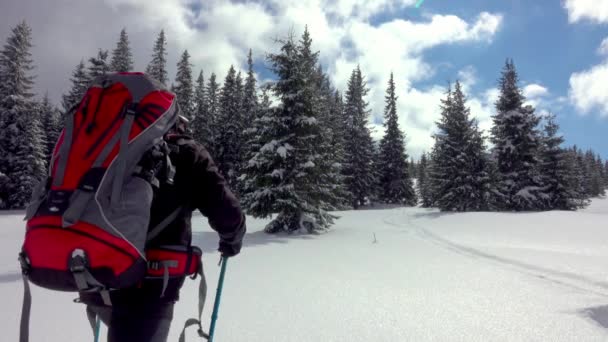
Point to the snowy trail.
(429, 277)
(573, 280)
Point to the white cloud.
(594, 10)
(219, 33)
(589, 90)
(534, 91)
(467, 78)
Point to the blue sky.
(546, 48)
(555, 45)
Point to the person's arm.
(214, 199)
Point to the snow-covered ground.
(429, 277)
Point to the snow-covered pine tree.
(240, 87)
(250, 97)
(201, 124)
(561, 185)
(98, 66)
(213, 107)
(593, 174)
(459, 178)
(255, 175)
(337, 140)
(576, 178)
(516, 142)
(331, 143)
(603, 171)
(50, 121)
(157, 68)
(360, 176)
(229, 133)
(80, 83)
(412, 167)
(606, 174)
(483, 167)
(184, 86)
(22, 160)
(28, 162)
(423, 183)
(583, 172)
(122, 58)
(396, 186)
(249, 112)
(599, 165)
(288, 168)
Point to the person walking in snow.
(144, 313)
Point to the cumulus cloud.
(533, 91)
(593, 10)
(219, 33)
(589, 90)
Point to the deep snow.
(429, 277)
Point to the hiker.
(119, 212)
(140, 314)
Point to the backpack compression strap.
(24, 328)
(202, 296)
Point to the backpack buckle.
(154, 265)
(78, 262)
(24, 261)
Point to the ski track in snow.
(575, 281)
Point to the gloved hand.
(229, 249)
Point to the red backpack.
(88, 223)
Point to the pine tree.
(229, 138)
(516, 142)
(98, 66)
(599, 166)
(288, 169)
(253, 177)
(80, 83)
(239, 92)
(576, 178)
(157, 68)
(122, 58)
(201, 124)
(423, 184)
(213, 107)
(606, 174)
(459, 178)
(250, 98)
(51, 125)
(559, 179)
(331, 145)
(395, 181)
(360, 176)
(184, 86)
(412, 168)
(595, 184)
(22, 160)
(249, 113)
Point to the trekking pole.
(218, 295)
(97, 328)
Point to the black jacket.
(197, 185)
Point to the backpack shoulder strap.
(160, 227)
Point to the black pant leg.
(144, 323)
(148, 322)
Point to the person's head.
(181, 126)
